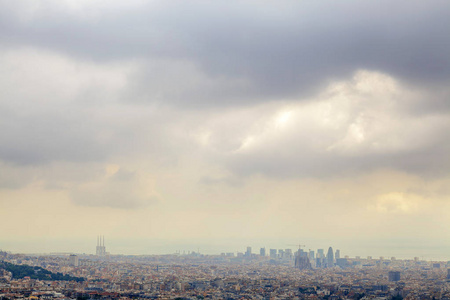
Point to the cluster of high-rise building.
(304, 259)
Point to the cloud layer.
(200, 119)
(232, 53)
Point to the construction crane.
(299, 246)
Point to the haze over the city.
(178, 125)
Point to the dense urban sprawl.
(225, 276)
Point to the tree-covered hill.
(21, 271)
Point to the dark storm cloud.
(279, 49)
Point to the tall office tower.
(311, 254)
(249, 251)
(273, 253)
(73, 260)
(320, 253)
(337, 255)
(448, 273)
(302, 253)
(319, 262)
(394, 276)
(262, 251)
(281, 253)
(330, 258)
(288, 254)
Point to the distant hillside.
(21, 271)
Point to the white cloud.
(398, 203)
(365, 117)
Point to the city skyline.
(225, 124)
(161, 247)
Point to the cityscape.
(266, 274)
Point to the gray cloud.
(351, 128)
(14, 178)
(301, 163)
(116, 81)
(123, 189)
(45, 138)
(57, 109)
(278, 49)
(42, 138)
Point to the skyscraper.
(319, 262)
(320, 253)
(337, 255)
(320, 259)
(330, 258)
(262, 251)
(273, 253)
(288, 254)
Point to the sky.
(216, 125)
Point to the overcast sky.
(168, 125)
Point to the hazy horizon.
(400, 249)
(216, 124)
